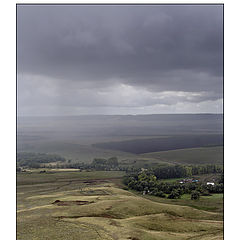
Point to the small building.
(195, 180)
(211, 183)
(189, 181)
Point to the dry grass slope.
(109, 213)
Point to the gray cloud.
(156, 55)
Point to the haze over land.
(88, 136)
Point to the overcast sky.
(80, 59)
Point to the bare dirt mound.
(71, 203)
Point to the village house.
(211, 183)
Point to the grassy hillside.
(66, 205)
(203, 155)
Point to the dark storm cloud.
(73, 53)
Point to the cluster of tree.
(181, 171)
(42, 160)
(34, 160)
(65, 165)
(98, 164)
(93, 167)
(148, 183)
(206, 169)
(221, 180)
(104, 164)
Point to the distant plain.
(83, 138)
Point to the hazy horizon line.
(119, 114)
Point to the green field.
(212, 203)
(92, 205)
(203, 155)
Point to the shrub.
(195, 195)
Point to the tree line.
(181, 171)
(34, 160)
(148, 183)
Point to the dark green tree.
(195, 195)
(174, 194)
(113, 161)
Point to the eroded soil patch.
(71, 203)
(103, 215)
(95, 192)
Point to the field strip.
(56, 180)
(38, 207)
(176, 234)
(63, 193)
(47, 196)
(97, 228)
(177, 218)
(209, 235)
(175, 205)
